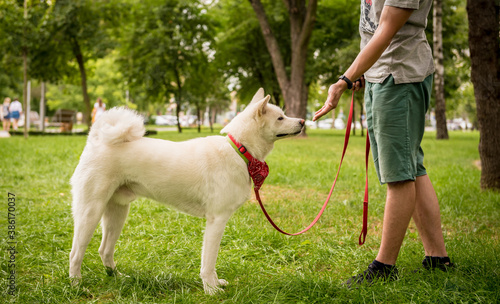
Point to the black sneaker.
(441, 263)
(374, 273)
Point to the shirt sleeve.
(410, 4)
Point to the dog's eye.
(281, 118)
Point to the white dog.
(204, 177)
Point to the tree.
(245, 58)
(206, 88)
(456, 61)
(19, 28)
(292, 84)
(458, 92)
(240, 50)
(335, 44)
(76, 29)
(485, 75)
(104, 80)
(437, 18)
(25, 71)
(12, 40)
(167, 37)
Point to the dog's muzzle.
(301, 122)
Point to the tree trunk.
(199, 119)
(360, 101)
(485, 75)
(301, 25)
(210, 120)
(353, 119)
(42, 108)
(213, 116)
(25, 90)
(178, 99)
(437, 18)
(25, 75)
(81, 65)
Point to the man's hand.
(359, 84)
(334, 93)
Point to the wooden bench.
(63, 118)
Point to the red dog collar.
(257, 169)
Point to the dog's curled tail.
(116, 126)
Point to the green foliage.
(459, 95)
(154, 48)
(458, 87)
(159, 249)
(104, 81)
(335, 41)
(70, 29)
(242, 52)
(165, 42)
(17, 34)
(241, 49)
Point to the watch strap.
(347, 80)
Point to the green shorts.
(395, 116)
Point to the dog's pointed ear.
(261, 106)
(258, 96)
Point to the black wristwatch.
(349, 82)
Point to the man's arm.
(392, 20)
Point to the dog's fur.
(204, 177)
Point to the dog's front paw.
(213, 286)
(213, 289)
(211, 283)
(75, 281)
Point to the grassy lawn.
(159, 249)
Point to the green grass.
(159, 249)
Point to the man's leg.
(399, 207)
(428, 219)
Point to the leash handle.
(364, 230)
(346, 142)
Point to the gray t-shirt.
(409, 57)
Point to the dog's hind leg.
(86, 216)
(211, 243)
(113, 219)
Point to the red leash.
(364, 231)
